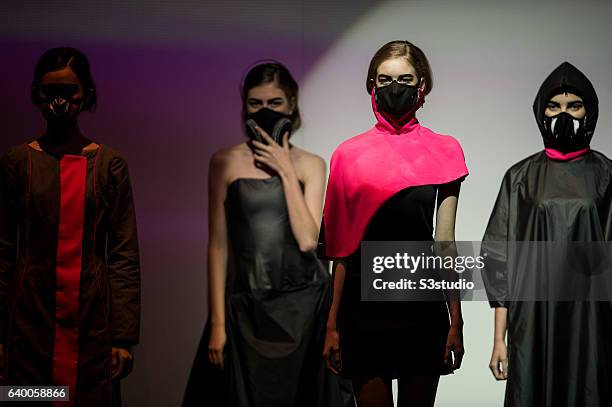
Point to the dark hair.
(272, 72)
(401, 49)
(55, 59)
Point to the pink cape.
(369, 168)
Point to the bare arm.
(304, 207)
(217, 256)
(499, 358)
(338, 273)
(217, 240)
(331, 346)
(501, 317)
(448, 195)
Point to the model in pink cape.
(385, 184)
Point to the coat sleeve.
(495, 248)
(8, 231)
(123, 258)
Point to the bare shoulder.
(229, 155)
(221, 163)
(308, 164)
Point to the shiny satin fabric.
(368, 169)
(560, 352)
(277, 301)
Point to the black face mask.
(57, 103)
(565, 133)
(274, 123)
(396, 99)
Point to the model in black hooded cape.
(559, 352)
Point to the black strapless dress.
(276, 310)
(393, 338)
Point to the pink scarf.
(559, 156)
(369, 168)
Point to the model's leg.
(373, 391)
(417, 390)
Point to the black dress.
(69, 270)
(393, 338)
(276, 309)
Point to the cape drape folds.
(366, 170)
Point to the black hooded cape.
(559, 351)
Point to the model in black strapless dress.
(393, 338)
(276, 308)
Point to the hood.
(567, 77)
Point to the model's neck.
(63, 133)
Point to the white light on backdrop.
(488, 60)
